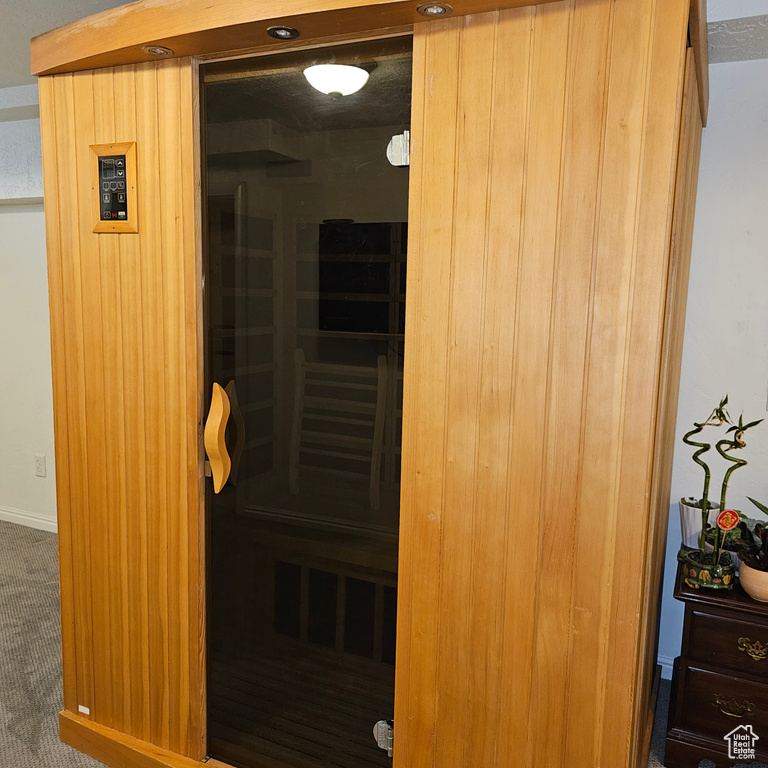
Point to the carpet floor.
(30, 659)
(30, 653)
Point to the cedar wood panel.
(126, 349)
(543, 170)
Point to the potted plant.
(753, 552)
(714, 569)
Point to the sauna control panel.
(114, 185)
(113, 189)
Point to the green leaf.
(762, 507)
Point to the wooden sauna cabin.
(429, 334)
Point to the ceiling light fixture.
(283, 33)
(157, 50)
(434, 10)
(336, 78)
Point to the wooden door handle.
(214, 438)
(236, 432)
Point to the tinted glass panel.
(305, 299)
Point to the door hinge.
(384, 732)
(399, 149)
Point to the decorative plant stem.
(718, 417)
(723, 447)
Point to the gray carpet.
(30, 659)
(30, 653)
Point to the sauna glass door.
(306, 232)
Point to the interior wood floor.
(287, 703)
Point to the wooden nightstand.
(720, 680)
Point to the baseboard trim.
(116, 749)
(30, 519)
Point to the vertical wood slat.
(156, 446)
(698, 34)
(74, 462)
(193, 700)
(126, 339)
(91, 340)
(573, 293)
(113, 565)
(174, 412)
(496, 623)
(524, 528)
(67, 587)
(408, 559)
(134, 435)
(424, 376)
(535, 375)
(677, 294)
(643, 373)
(596, 508)
(466, 307)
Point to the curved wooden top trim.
(209, 27)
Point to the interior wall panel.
(126, 342)
(544, 162)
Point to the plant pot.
(754, 582)
(700, 569)
(690, 520)
(709, 546)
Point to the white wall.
(26, 409)
(717, 10)
(21, 173)
(26, 412)
(725, 348)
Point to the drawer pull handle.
(755, 649)
(731, 707)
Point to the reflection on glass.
(306, 259)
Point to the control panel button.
(114, 197)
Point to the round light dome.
(336, 78)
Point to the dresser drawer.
(715, 704)
(730, 645)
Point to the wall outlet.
(40, 465)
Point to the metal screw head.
(283, 33)
(157, 50)
(434, 10)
